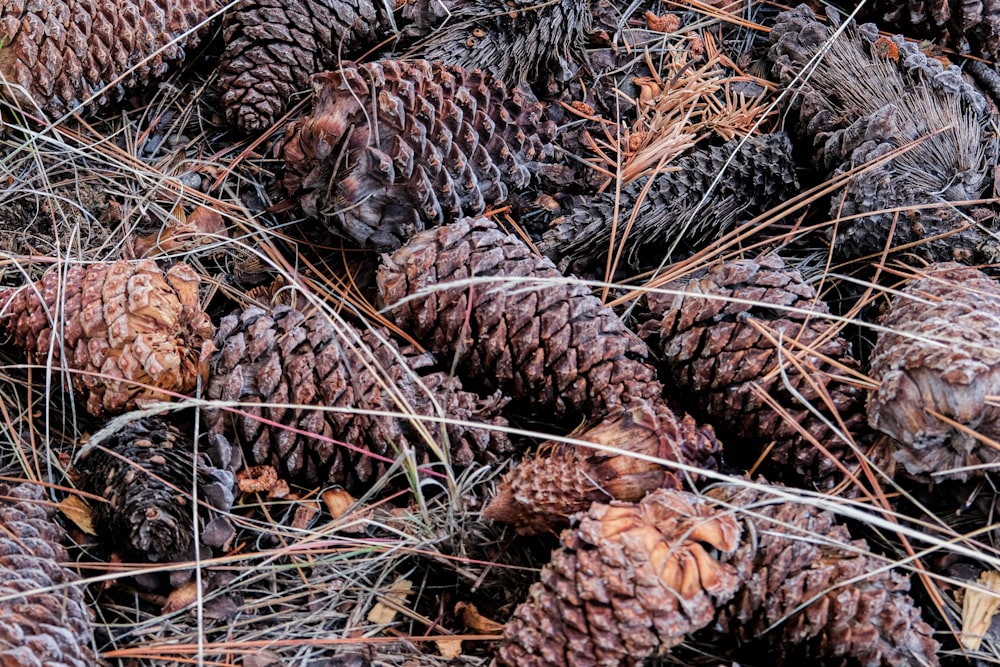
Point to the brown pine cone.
(444, 142)
(144, 472)
(541, 493)
(60, 53)
(274, 46)
(284, 357)
(936, 361)
(44, 619)
(527, 332)
(781, 580)
(126, 331)
(745, 335)
(869, 96)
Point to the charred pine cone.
(634, 579)
(301, 364)
(60, 53)
(709, 193)
(869, 97)
(937, 359)
(394, 147)
(747, 341)
(274, 46)
(44, 619)
(144, 472)
(127, 331)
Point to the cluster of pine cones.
(700, 426)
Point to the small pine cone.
(678, 206)
(282, 356)
(274, 46)
(780, 580)
(127, 331)
(541, 494)
(444, 142)
(44, 619)
(936, 361)
(59, 53)
(549, 343)
(869, 96)
(727, 335)
(144, 471)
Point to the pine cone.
(541, 494)
(127, 331)
(678, 207)
(869, 96)
(144, 471)
(44, 619)
(970, 26)
(60, 53)
(529, 333)
(282, 356)
(444, 142)
(274, 46)
(937, 359)
(745, 335)
(634, 579)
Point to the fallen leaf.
(449, 648)
(978, 609)
(304, 513)
(337, 502)
(79, 512)
(385, 609)
(476, 621)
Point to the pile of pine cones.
(787, 315)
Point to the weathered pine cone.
(60, 53)
(971, 26)
(869, 96)
(282, 357)
(274, 46)
(126, 331)
(745, 343)
(634, 579)
(677, 207)
(443, 142)
(144, 472)
(44, 619)
(936, 361)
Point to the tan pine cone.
(127, 331)
(541, 493)
(443, 142)
(775, 579)
(748, 333)
(44, 619)
(59, 53)
(522, 328)
(936, 361)
(281, 357)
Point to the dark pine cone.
(144, 472)
(283, 357)
(393, 147)
(936, 361)
(678, 209)
(780, 580)
(869, 96)
(274, 46)
(44, 619)
(727, 335)
(969, 26)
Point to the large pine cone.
(274, 46)
(443, 142)
(283, 357)
(678, 208)
(869, 96)
(521, 327)
(44, 619)
(144, 471)
(970, 26)
(126, 331)
(634, 579)
(937, 359)
(747, 341)
(59, 53)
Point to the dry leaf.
(181, 597)
(304, 513)
(79, 512)
(476, 621)
(449, 648)
(385, 609)
(337, 502)
(978, 609)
